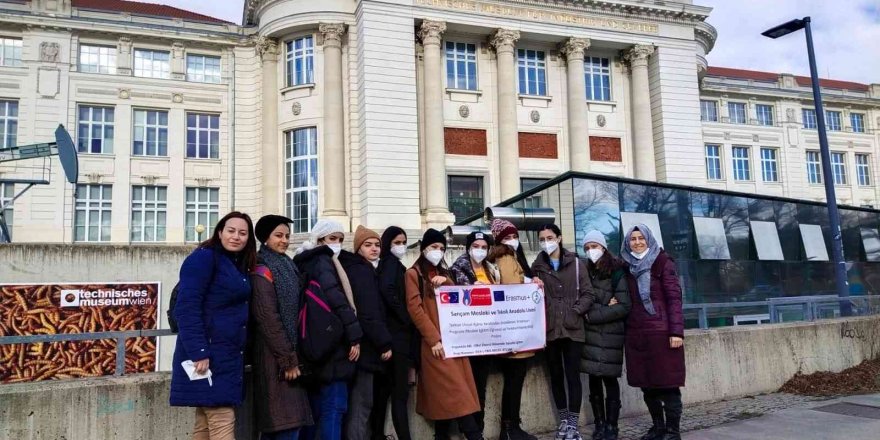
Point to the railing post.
(704, 320)
(120, 356)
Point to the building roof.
(768, 76)
(149, 9)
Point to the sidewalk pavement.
(723, 414)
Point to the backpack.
(172, 321)
(320, 330)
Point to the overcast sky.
(846, 34)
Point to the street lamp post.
(840, 277)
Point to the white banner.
(491, 319)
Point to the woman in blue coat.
(212, 314)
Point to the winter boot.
(598, 407)
(673, 409)
(506, 431)
(612, 414)
(658, 428)
(517, 433)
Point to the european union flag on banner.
(498, 295)
(453, 297)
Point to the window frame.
(163, 73)
(301, 224)
(466, 59)
(141, 207)
(293, 77)
(213, 149)
(593, 71)
(16, 49)
(814, 167)
(766, 117)
(830, 123)
(861, 125)
(204, 68)
(146, 128)
(524, 65)
(864, 176)
(730, 112)
(7, 193)
(838, 168)
(720, 163)
(209, 207)
(477, 178)
(109, 69)
(704, 110)
(812, 122)
(8, 123)
(747, 169)
(107, 142)
(101, 206)
(770, 165)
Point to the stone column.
(504, 41)
(578, 138)
(334, 181)
(437, 212)
(643, 132)
(271, 155)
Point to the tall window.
(598, 78)
(8, 124)
(832, 120)
(764, 113)
(95, 129)
(148, 213)
(203, 68)
(300, 61)
(152, 64)
(838, 168)
(809, 118)
(814, 167)
(532, 72)
(202, 208)
(91, 220)
(708, 111)
(713, 162)
(10, 52)
(737, 112)
(465, 196)
(741, 168)
(769, 167)
(150, 133)
(202, 136)
(301, 177)
(97, 59)
(461, 66)
(863, 169)
(7, 192)
(858, 122)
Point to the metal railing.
(809, 305)
(119, 336)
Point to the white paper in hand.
(190, 368)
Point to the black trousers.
(394, 384)
(563, 357)
(610, 384)
(466, 424)
(514, 373)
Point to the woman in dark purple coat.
(654, 331)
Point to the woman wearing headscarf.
(282, 403)
(567, 296)
(602, 356)
(212, 315)
(446, 389)
(654, 331)
(317, 260)
(508, 256)
(360, 267)
(393, 382)
(469, 269)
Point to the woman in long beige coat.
(446, 389)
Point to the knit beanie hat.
(502, 228)
(321, 229)
(267, 223)
(478, 235)
(595, 236)
(362, 234)
(432, 236)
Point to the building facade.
(405, 112)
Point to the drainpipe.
(232, 133)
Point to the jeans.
(563, 358)
(287, 434)
(360, 403)
(329, 405)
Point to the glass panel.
(631, 219)
(711, 238)
(871, 242)
(596, 206)
(766, 240)
(814, 242)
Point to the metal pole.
(840, 278)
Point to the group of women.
(235, 301)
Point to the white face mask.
(434, 256)
(595, 254)
(336, 247)
(639, 255)
(549, 246)
(479, 255)
(375, 263)
(514, 244)
(398, 250)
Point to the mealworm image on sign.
(35, 309)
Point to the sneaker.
(573, 434)
(562, 430)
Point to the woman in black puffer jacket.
(602, 357)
